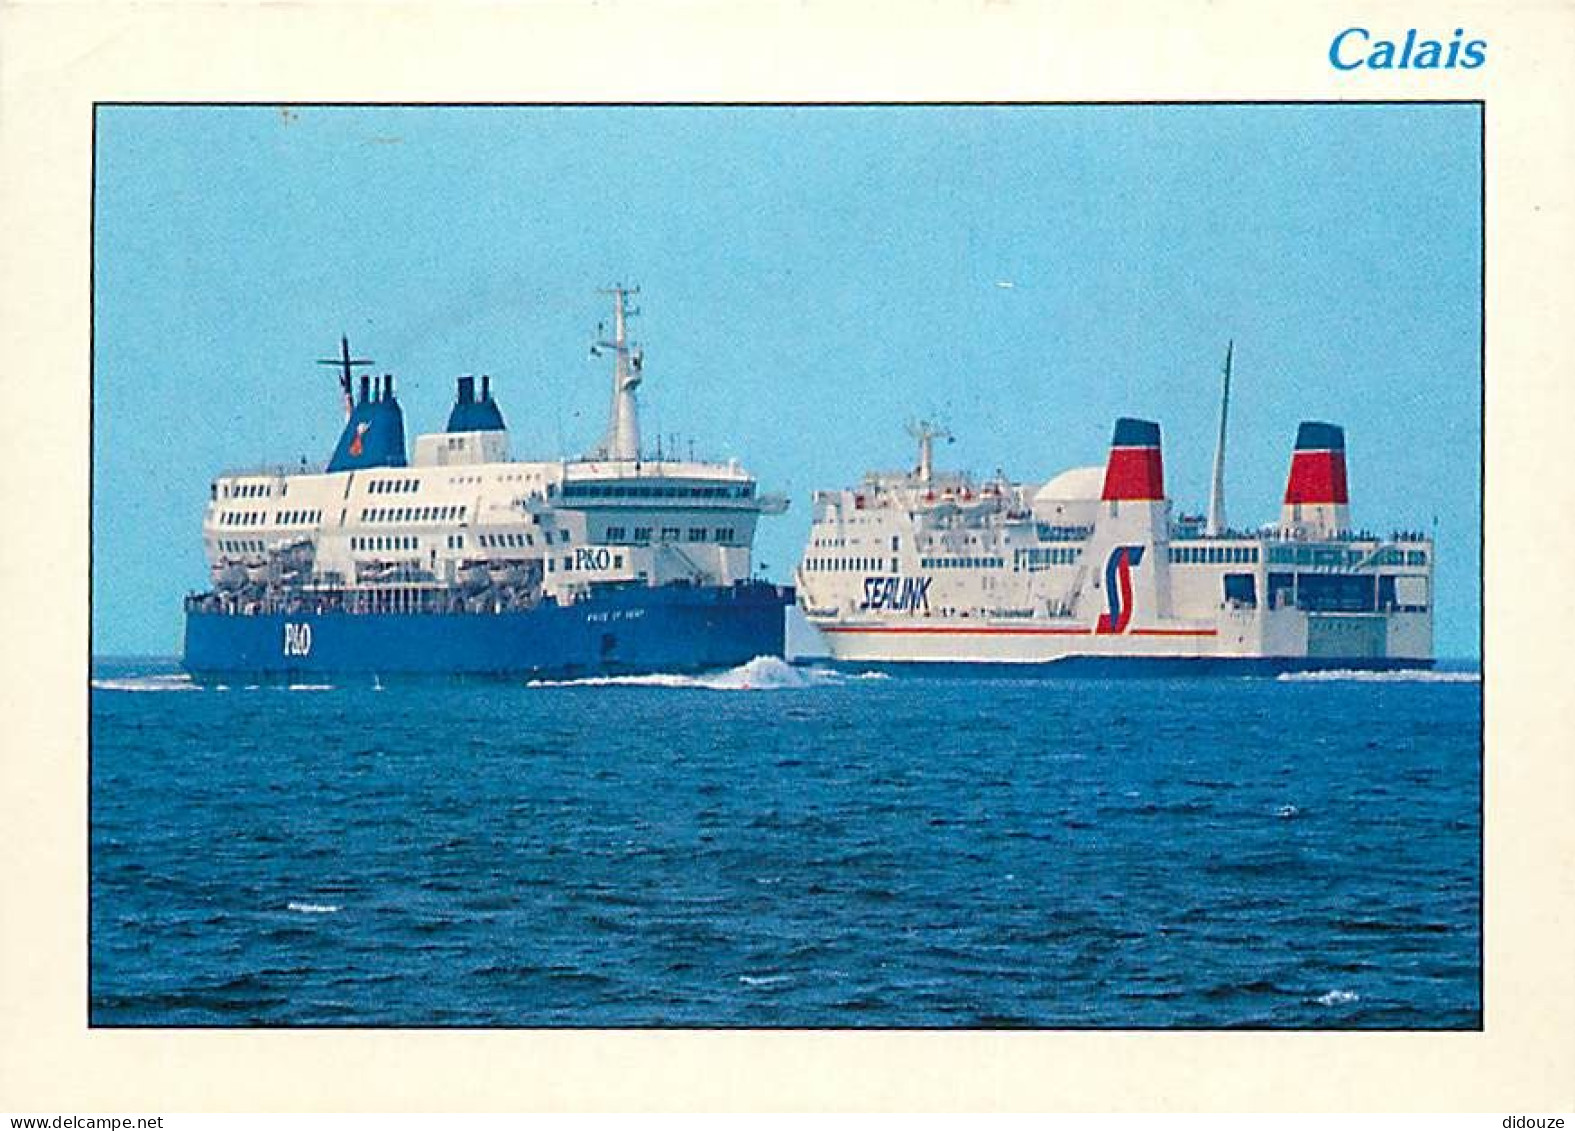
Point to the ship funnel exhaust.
(473, 414)
(1317, 498)
(374, 434)
(1135, 470)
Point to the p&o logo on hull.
(297, 639)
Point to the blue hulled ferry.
(458, 559)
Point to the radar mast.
(927, 432)
(622, 441)
(345, 364)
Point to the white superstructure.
(463, 526)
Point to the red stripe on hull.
(933, 631)
(1317, 477)
(1134, 474)
(928, 631)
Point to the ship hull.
(1244, 642)
(1131, 667)
(671, 628)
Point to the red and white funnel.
(1135, 471)
(1317, 499)
(1131, 530)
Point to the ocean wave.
(310, 687)
(763, 979)
(312, 908)
(1338, 997)
(1403, 675)
(763, 673)
(177, 682)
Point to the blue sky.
(812, 278)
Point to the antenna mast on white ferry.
(1216, 520)
(927, 433)
(623, 424)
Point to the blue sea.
(787, 846)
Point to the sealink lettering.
(897, 594)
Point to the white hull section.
(1355, 637)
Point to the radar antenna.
(623, 422)
(1216, 520)
(345, 364)
(927, 432)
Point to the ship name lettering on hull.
(897, 594)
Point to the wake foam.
(177, 682)
(1403, 675)
(763, 979)
(763, 673)
(181, 681)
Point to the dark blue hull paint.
(633, 630)
(1140, 667)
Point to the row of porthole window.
(1049, 532)
(258, 518)
(385, 542)
(240, 546)
(963, 563)
(414, 514)
(1214, 555)
(833, 565)
(1339, 556)
(393, 486)
(642, 534)
(511, 539)
(248, 491)
(656, 491)
(1038, 559)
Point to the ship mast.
(345, 364)
(1216, 520)
(927, 433)
(623, 423)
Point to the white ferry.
(1094, 569)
